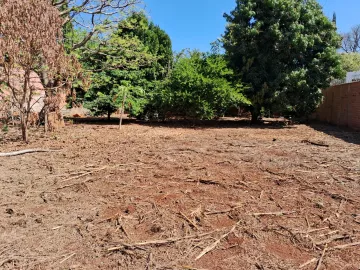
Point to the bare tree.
(30, 40)
(351, 40)
(94, 16)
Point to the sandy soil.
(218, 196)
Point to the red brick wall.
(341, 105)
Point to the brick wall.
(341, 105)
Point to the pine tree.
(334, 18)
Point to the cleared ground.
(216, 196)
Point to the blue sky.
(195, 23)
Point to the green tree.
(200, 86)
(284, 50)
(137, 56)
(108, 64)
(156, 40)
(350, 61)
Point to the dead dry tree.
(100, 15)
(31, 34)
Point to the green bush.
(200, 86)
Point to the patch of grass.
(5, 128)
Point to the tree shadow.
(343, 133)
(98, 120)
(183, 123)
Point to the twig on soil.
(185, 267)
(315, 143)
(271, 172)
(281, 213)
(321, 258)
(327, 234)
(159, 242)
(334, 238)
(149, 262)
(22, 152)
(81, 183)
(68, 257)
(121, 227)
(207, 182)
(346, 246)
(99, 169)
(188, 220)
(223, 211)
(216, 183)
(313, 230)
(307, 263)
(84, 174)
(213, 245)
(307, 223)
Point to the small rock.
(156, 228)
(130, 209)
(38, 220)
(9, 211)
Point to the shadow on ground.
(343, 133)
(181, 123)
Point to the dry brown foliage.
(31, 40)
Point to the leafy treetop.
(284, 57)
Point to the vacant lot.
(192, 197)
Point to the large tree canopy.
(285, 50)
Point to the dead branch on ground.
(280, 213)
(315, 143)
(346, 246)
(27, 151)
(307, 263)
(100, 169)
(321, 258)
(75, 184)
(159, 242)
(213, 245)
(192, 224)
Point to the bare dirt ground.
(227, 196)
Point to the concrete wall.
(341, 105)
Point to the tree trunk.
(255, 113)
(122, 109)
(109, 115)
(24, 130)
(12, 114)
(45, 81)
(46, 114)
